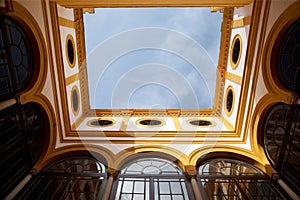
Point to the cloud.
(141, 66)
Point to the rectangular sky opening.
(152, 58)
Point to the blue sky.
(152, 58)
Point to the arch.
(202, 154)
(256, 137)
(72, 177)
(18, 63)
(280, 129)
(23, 16)
(151, 178)
(221, 177)
(23, 140)
(100, 153)
(164, 152)
(269, 55)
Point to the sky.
(152, 58)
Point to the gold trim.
(213, 123)
(223, 59)
(89, 123)
(241, 22)
(76, 90)
(124, 124)
(150, 126)
(227, 123)
(72, 79)
(152, 3)
(268, 61)
(66, 22)
(70, 37)
(229, 113)
(234, 78)
(232, 64)
(176, 123)
(78, 121)
(254, 50)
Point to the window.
(16, 58)
(151, 178)
(102, 122)
(70, 51)
(229, 101)
(80, 177)
(22, 140)
(150, 122)
(288, 60)
(236, 51)
(200, 122)
(282, 142)
(232, 179)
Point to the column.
(112, 174)
(196, 189)
(191, 172)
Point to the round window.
(75, 100)
(70, 51)
(150, 122)
(200, 122)
(229, 101)
(101, 122)
(236, 51)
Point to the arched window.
(281, 135)
(288, 59)
(16, 58)
(222, 178)
(80, 177)
(22, 139)
(151, 178)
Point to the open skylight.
(152, 58)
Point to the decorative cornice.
(223, 59)
(152, 3)
(80, 42)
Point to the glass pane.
(127, 187)
(164, 188)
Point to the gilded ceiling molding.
(62, 104)
(223, 59)
(151, 3)
(252, 65)
(58, 127)
(80, 43)
(269, 60)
